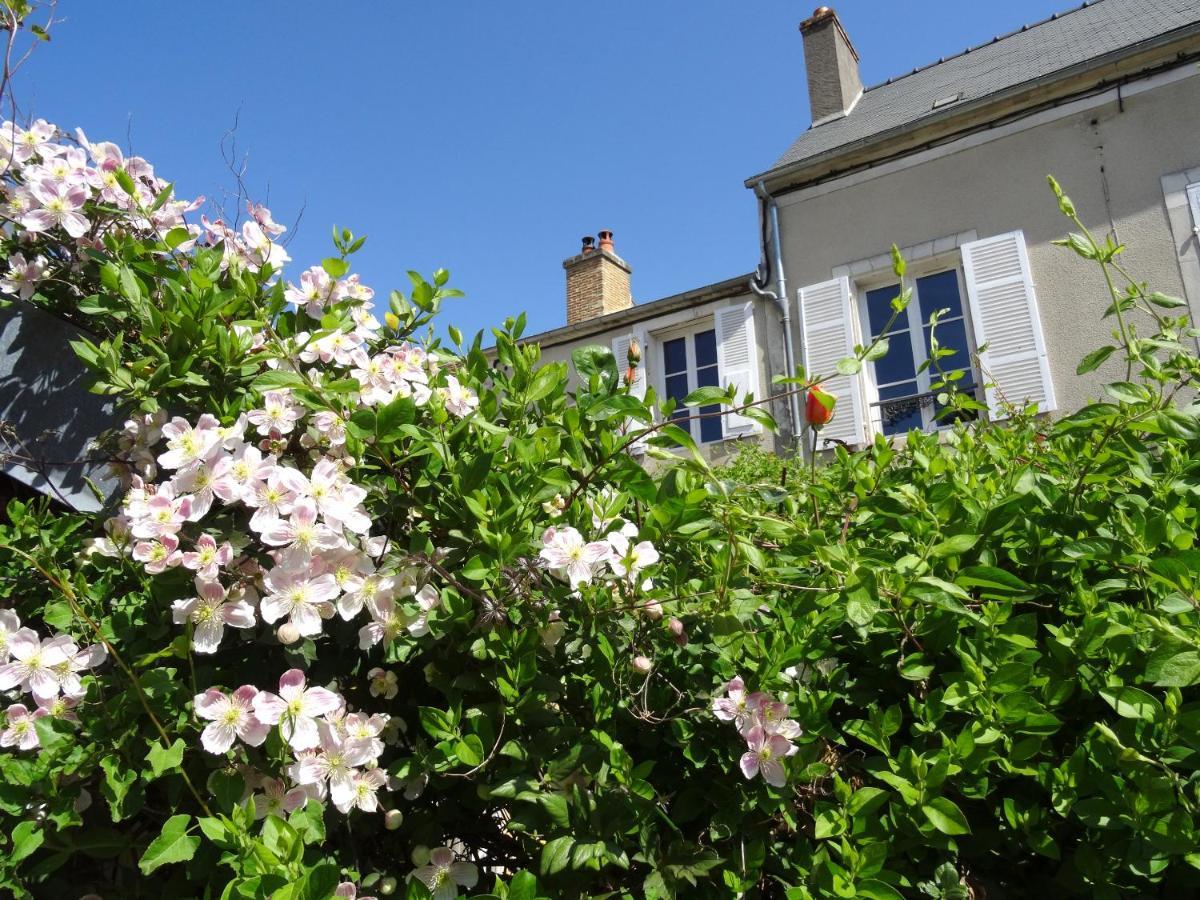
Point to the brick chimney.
(597, 281)
(832, 63)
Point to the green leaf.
(1166, 301)
(126, 182)
(1132, 703)
(177, 236)
(1174, 670)
(556, 854)
(991, 580)
(523, 886)
(945, 816)
(401, 411)
(878, 350)
(469, 750)
(172, 845)
(1127, 392)
(162, 758)
(595, 360)
(874, 889)
(956, 545)
(26, 838)
(706, 396)
(848, 365)
(334, 267)
(1094, 360)
(278, 378)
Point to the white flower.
(210, 612)
(295, 709)
(443, 876)
(302, 597)
(383, 683)
(628, 559)
(360, 792)
(18, 729)
(566, 554)
(230, 716)
(34, 663)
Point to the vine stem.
(66, 590)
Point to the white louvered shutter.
(737, 363)
(827, 330)
(1004, 314)
(620, 349)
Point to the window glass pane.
(939, 291)
(675, 356)
(706, 349)
(897, 364)
(677, 387)
(710, 428)
(899, 419)
(951, 336)
(879, 307)
(707, 377)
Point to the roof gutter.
(772, 251)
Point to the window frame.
(687, 331)
(916, 334)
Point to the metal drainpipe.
(780, 297)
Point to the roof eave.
(730, 287)
(802, 170)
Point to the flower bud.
(642, 665)
(387, 886)
(677, 631)
(392, 819)
(653, 610)
(287, 633)
(818, 406)
(420, 855)
(634, 356)
(393, 320)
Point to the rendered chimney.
(597, 281)
(831, 61)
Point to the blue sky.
(483, 137)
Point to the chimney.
(597, 281)
(832, 63)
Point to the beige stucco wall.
(1109, 155)
(694, 316)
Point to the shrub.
(376, 609)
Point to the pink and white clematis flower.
(209, 613)
(277, 800)
(443, 875)
(236, 477)
(279, 413)
(335, 761)
(34, 663)
(567, 555)
(301, 535)
(628, 558)
(23, 276)
(58, 205)
(158, 555)
(188, 445)
(734, 706)
(295, 709)
(296, 593)
(18, 730)
(459, 400)
(360, 792)
(208, 557)
(230, 716)
(10, 624)
(765, 755)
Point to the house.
(949, 162)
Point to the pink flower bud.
(642, 665)
(287, 633)
(676, 628)
(653, 610)
(392, 819)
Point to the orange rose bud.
(634, 356)
(818, 407)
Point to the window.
(689, 361)
(1193, 193)
(904, 400)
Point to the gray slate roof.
(1068, 39)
